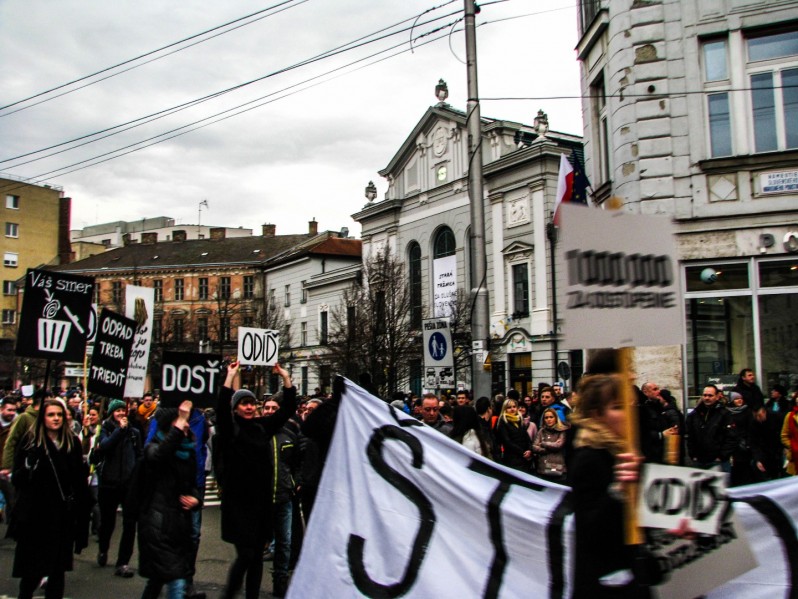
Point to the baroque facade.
(691, 111)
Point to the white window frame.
(9, 288)
(12, 202)
(12, 230)
(11, 259)
(9, 316)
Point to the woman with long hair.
(468, 432)
(50, 518)
(549, 447)
(513, 438)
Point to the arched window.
(444, 243)
(414, 271)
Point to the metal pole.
(480, 378)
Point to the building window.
(157, 285)
(351, 322)
(248, 321)
(12, 230)
(12, 202)
(444, 243)
(303, 294)
(720, 138)
(179, 330)
(179, 290)
(249, 286)
(304, 377)
(10, 259)
(323, 328)
(9, 288)
(224, 287)
(116, 292)
(287, 299)
(272, 300)
(202, 329)
(157, 330)
(520, 290)
(588, 9)
(203, 288)
(9, 316)
(303, 334)
(600, 130)
(414, 272)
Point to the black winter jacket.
(116, 453)
(709, 433)
(285, 455)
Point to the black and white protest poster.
(54, 322)
(109, 361)
(258, 347)
(619, 285)
(196, 377)
(140, 306)
(444, 275)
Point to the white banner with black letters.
(258, 347)
(403, 511)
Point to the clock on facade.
(441, 173)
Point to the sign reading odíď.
(621, 285)
(196, 377)
(55, 316)
(258, 347)
(109, 361)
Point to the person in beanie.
(115, 455)
(245, 475)
(165, 495)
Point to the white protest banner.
(403, 511)
(140, 306)
(444, 275)
(621, 286)
(258, 347)
(671, 494)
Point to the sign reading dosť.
(258, 347)
(196, 377)
(438, 353)
(621, 284)
(444, 285)
(671, 494)
(109, 361)
(140, 306)
(55, 316)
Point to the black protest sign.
(55, 319)
(196, 377)
(112, 347)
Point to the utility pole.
(480, 378)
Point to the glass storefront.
(741, 314)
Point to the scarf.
(514, 419)
(146, 412)
(183, 451)
(594, 434)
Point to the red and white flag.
(565, 186)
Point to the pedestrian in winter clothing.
(789, 438)
(50, 518)
(515, 442)
(549, 447)
(742, 421)
(710, 438)
(245, 475)
(468, 432)
(164, 495)
(115, 456)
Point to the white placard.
(140, 306)
(444, 275)
(621, 280)
(672, 494)
(778, 182)
(258, 347)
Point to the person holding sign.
(244, 473)
(600, 468)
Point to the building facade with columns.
(424, 220)
(691, 111)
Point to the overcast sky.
(308, 155)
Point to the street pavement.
(89, 581)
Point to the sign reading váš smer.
(55, 321)
(621, 280)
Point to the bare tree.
(370, 330)
(460, 326)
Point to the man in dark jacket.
(710, 439)
(747, 387)
(430, 414)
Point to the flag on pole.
(572, 184)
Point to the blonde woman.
(549, 447)
(513, 438)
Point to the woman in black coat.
(244, 474)
(166, 493)
(512, 436)
(50, 517)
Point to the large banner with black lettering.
(620, 271)
(140, 306)
(112, 345)
(55, 316)
(191, 376)
(403, 511)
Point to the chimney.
(178, 235)
(218, 233)
(313, 227)
(65, 254)
(269, 230)
(149, 238)
(125, 239)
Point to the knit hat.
(734, 395)
(240, 395)
(115, 404)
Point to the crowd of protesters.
(70, 463)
